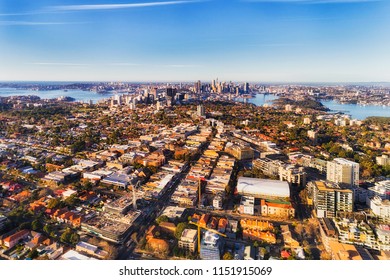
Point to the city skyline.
(297, 41)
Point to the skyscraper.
(246, 87)
(201, 110)
(198, 87)
(153, 91)
(171, 93)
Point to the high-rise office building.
(153, 92)
(171, 93)
(201, 110)
(246, 87)
(214, 86)
(198, 87)
(343, 171)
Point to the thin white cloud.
(115, 64)
(34, 23)
(342, 1)
(58, 64)
(180, 65)
(156, 65)
(124, 64)
(315, 1)
(70, 8)
(19, 14)
(115, 6)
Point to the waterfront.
(78, 95)
(260, 99)
(356, 111)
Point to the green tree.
(78, 146)
(176, 251)
(74, 238)
(71, 200)
(161, 219)
(54, 203)
(87, 186)
(36, 225)
(66, 235)
(47, 229)
(262, 252)
(179, 229)
(25, 225)
(33, 254)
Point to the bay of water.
(260, 99)
(356, 111)
(78, 95)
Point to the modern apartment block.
(343, 171)
(210, 248)
(381, 189)
(383, 160)
(285, 172)
(380, 208)
(328, 199)
(188, 240)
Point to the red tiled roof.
(16, 236)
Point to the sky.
(188, 40)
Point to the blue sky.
(159, 40)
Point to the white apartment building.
(380, 208)
(188, 240)
(383, 160)
(381, 189)
(341, 170)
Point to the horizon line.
(191, 81)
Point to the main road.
(155, 208)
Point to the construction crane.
(134, 192)
(205, 228)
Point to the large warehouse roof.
(262, 187)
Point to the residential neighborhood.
(184, 172)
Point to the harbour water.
(356, 111)
(260, 99)
(78, 95)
